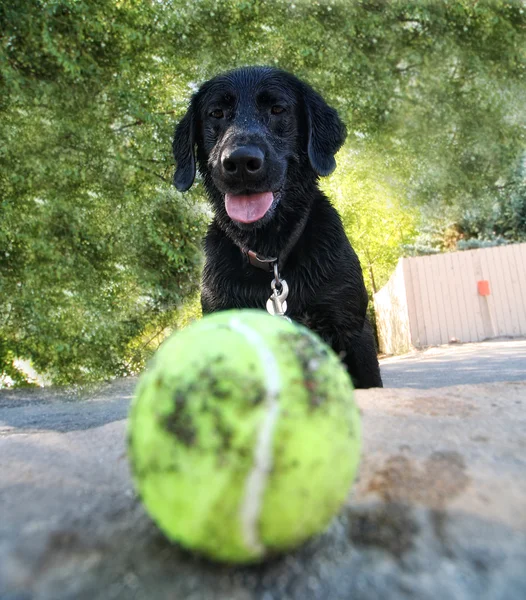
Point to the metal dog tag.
(276, 304)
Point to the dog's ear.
(326, 132)
(183, 149)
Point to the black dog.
(263, 137)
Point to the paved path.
(55, 410)
(484, 362)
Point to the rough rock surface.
(439, 510)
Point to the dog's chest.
(249, 287)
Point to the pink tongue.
(247, 209)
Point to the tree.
(376, 218)
(97, 252)
(96, 249)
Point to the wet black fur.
(327, 291)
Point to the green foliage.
(98, 256)
(375, 217)
(96, 249)
(499, 218)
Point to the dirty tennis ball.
(243, 436)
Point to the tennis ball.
(244, 437)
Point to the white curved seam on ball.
(256, 480)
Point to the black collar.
(266, 263)
(261, 262)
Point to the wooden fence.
(467, 296)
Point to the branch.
(152, 160)
(153, 173)
(137, 353)
(142, 122)
(145, 169)
(408, 68)
(134, 124)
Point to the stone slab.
(438, 511)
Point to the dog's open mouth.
(249, 208)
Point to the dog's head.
(251, 127)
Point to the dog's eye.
(277, 109)
(217, 113)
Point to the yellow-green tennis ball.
(244, 437)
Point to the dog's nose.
(244, 161)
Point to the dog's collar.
(264, 263)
